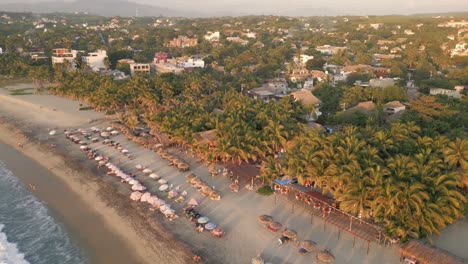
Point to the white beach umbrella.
(108, 129)
(53, 132)
(154, 176)
(162, 181)
(160, 202)
(144, 198)
(168, 212)
(163, 187)
(164, 207)
(114, 132)
(133, 182)
(153, 200)
(150, 200)
(124, 151)
(135, 196)
(147, 171)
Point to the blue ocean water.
(28, 233)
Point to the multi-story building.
(140, 68)
(96, 60)
(441, 91)
(193, 63)
(212, 36)
(381, 82)
(183, 42)
(61, 55)
(455, 24)
(329, 50)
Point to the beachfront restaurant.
(414, 252)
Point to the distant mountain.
(96, 7)
(128, 8)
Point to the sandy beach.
(148, 235)
(108, 234)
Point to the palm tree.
(456, 154)
(270, 169)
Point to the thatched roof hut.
(208, 137)
(427, 254)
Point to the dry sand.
(108, 228)
(236, 213)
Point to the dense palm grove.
(403, 174)
(396, 176)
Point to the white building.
(212, 36)
(459, 50)
(329, 50)
(303, 59)
(376, 25)
(251, 35)
(243, 42)
(394, 107)
(381, 82)
(62, 55)
(449, 93)
(455, 24)
(193, 63)
(96, 59)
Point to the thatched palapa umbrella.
(325, 256)
(195, 181)
(275, 225)
(234, 187)
(290, 234)
(190, 177)
(183, 167)
(206, 190)
(215, 196)
(265, 219)
(308, 245)
(199, 184)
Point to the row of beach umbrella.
(306, 245)
(203, 187)
(154, 201)
(181, 165)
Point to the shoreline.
(88, 206)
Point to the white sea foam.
(33, 234)
(9, 253)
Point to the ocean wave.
(30, 228)
(9, 252)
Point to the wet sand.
(87, 227)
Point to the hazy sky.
(380, 6)
(377, 7)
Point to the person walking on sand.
(196, 259)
